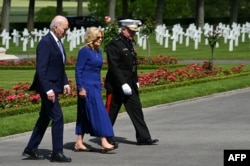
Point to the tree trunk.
(112, 4)
(5, 22)
(199, 13)
(31, 13)
(159, 12)
(125, 8)
(59, 7)
(79, 7)
(234, 11)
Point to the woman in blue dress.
(92, 117)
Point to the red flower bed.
(20, 96)
(190, 72)
(21, 62)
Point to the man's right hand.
(126, 89)
(51, 96)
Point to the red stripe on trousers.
(108, 101)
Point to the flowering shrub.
(110, 31)
(22, 62)
(189, 72)
(147, 28)
(20, 96)
(213, 37)
(158, 60)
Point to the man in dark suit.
(121, 81)
(50, 80)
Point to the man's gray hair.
(57, 20)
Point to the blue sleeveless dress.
(92, 117)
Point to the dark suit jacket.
(50, 72)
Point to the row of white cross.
(74, 37)
(163, 35)
(230, 34)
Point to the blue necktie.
(61, 49)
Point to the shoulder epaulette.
(117, 38)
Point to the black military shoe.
(112, 142)
(148, 142)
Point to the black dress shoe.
(32, 153)
(148, 142)
(59, 157)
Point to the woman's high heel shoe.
(105, 150)
(77, 149)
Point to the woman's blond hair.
(91, 35)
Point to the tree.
(178, 9)
(97, 9)
(199, 16)
(214, 10)
(31, 12)
(125, 8)
(159, 12)
(142, 9)
(79, 7)
(5, 22)
(59, 9)
(234, 11)
(112, 4)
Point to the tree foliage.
(173, 9)
(46, 14)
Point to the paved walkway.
(191, 133)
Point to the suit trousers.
(133, 107)
(49, 112)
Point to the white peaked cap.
(131, 24)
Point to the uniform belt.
(131, 68)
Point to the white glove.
(126, 89)
(138, 85)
